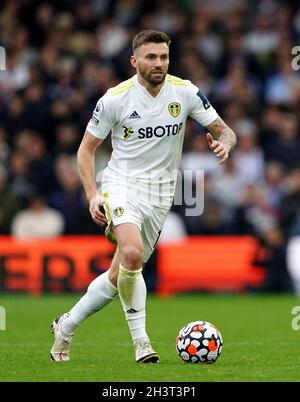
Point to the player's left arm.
(225, 139)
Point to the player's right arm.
(86, 169)
(99, 126)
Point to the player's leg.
(150, 232)
(132, 289)
(100, 292)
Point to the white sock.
(99, 293)
(132, 293)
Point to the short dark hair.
(150, 36)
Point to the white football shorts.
(132, 205)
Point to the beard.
(153, 77)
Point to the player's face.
(151, 61)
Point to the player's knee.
(113, 277)
(132, 256)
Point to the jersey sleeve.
(200, 108)
(103, 118)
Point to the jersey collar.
(144, 91)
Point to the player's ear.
(133, 61)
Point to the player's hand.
(96, 202)
(219, 149)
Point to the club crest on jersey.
(174, 109)
(127, 132)
(119, 211)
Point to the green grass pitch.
(259, 342)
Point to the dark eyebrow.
(154, 54)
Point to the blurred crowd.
(61, 56)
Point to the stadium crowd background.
(61, 56)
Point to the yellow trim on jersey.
(108, 231)
(124, 86)
(183, 84)
(177, 81)
(121, 90)
(173, 77)
(178, 84)
(107, 210)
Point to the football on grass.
(199, 342)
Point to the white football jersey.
(147, 131)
